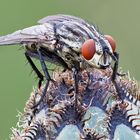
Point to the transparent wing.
(31, 34)
(60, 18)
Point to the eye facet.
(111, 41)
(88, 49)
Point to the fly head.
(99, 52)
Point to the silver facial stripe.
(99, 49)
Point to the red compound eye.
(111, 42)
(88, 49)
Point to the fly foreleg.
(47, 76)
(115, 73)
(39, 74)
(115, 68)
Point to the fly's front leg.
(115, 73)
(47, 76)
(115, 68)
(39, 74)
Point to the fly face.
(99, 52)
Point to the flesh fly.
(66, 40)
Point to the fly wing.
(31, 34)
(16, 38)
(60, 18)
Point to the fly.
(66, 40)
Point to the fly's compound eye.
(88, 49)
(111, 41)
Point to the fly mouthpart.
(104, 66)
(105, 61)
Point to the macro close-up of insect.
(90, 75)
(77, 89)
(66, 40)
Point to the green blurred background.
(119, 18)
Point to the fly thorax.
(68, 55)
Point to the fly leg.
(115, 73)
(39, 74)
(115, 68)
(47, 76)
(75, 75)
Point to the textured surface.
(101, 109)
